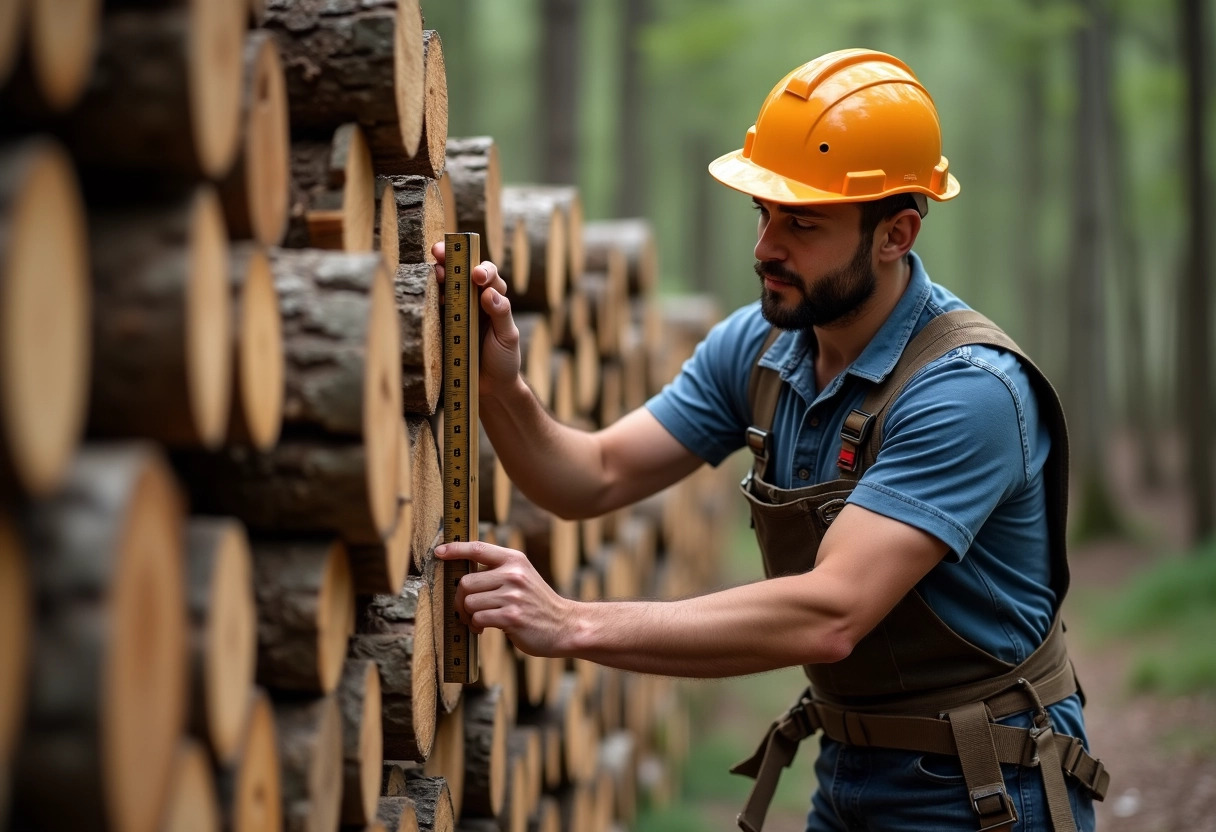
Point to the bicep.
(641, 457)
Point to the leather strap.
(971, 726)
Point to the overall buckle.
(853, 434)
(994, 808)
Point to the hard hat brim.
(735, 170)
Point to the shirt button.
(804, 474)
(814, 421)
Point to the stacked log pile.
(220, 484)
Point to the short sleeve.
(954, 447)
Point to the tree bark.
(255, 191)
(635, 239)
(223, 631)
(420, 217)
(166, 91)
(305, 604)
(381, 567)
(333, 193)
(428, 160)
(547, 237)
(432, 803)
(473, 170)
(417, 296)
(397, 814)
(447, 758)
(309, 736)
(256, 414)
(427, 490)
(351, 61)
(1195, 304)
(385, 238)
(162, 321)
(362, 741)
(107, 699)
(560, 77)
(631, 184)
(46, 267)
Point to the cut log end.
(309, 735)
(257, 409)
(208, 319)
(362, 740)
(387, 232)
(191, 804)
(251, 790)
(223, 610)
(267, 140)
(62, 44)
(44, 316)
(435, 105)
(359, 190)
(409, 74)
(216, 39)
(382, 398)
(12, 29)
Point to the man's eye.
(804, 225)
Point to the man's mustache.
(769, 268)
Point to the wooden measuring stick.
(461, 336)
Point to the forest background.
(1081, 131)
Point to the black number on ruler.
(456, 269)
(456, 339)
(456, 317)
(457, 506)
(456, 361)
(455, 428)
(455, 451)
(456, 246)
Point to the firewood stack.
(220, 483)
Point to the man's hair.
(877, 210)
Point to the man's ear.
(897, 235)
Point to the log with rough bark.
(432, 802)
(420, 217)
(223, 631)
(545, 225)
(250, 787)
(515, 808)
(450, 221)
(632, 237)
(473, 167)
(381, 567)
(568, 201)
(307, 486)
(191, 804)
(427, 490)
(166, 92)
(577, 806)
(417, 296)
(619, 759)
(450, 693)
(256, 189)
(162, 322)
(359, 62)
(397, 814)
(362, 741)
(305, 606)
(333, 192)
(536, 349)
(550, 542)
(309, 736)
(516, 262)
(47, 50)
(524, 743)
(16, 627)
(256, 416)
(397, 633)
(607, 292)
(44, 363)
(494, 484)
(586, 370)
(107, 702)
(485, 752)
(447, 755)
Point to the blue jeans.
(888, 790)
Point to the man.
(903, 448)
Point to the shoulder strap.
(763, 389)
(967, 327)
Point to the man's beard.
(835, 298)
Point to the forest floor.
(1159, 749)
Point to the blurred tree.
(630, 197)
(1195, 299)
(560, 69)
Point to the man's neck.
(840, 344)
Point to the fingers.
(476, 551)
(485, 275)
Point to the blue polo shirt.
(961, 458)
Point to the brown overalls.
(913, 683)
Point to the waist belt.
(967, 732)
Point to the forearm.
(558, 467)
(747, 629)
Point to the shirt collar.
(791, 349)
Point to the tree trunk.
(397, 814)
(427, 488)
(250, 787)
(420, 217)
(362, 62)
(166, 92)
(631, 184)
(559, 83)
(162, 321)
(362, 741)
(45, 269)
(428, 161)
(108, 696)
(447, 758)
(333, 193)
(309, 737)
(476, 179)
(305, 604)
(256, 414)
(635, 239)
(256, 189)
(419, 316)
(547, 237)
(223, 623)
(432, 802)
(381, 567)
(1195, 298)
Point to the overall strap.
(763, 389)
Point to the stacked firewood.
(220, 486)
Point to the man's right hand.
(500, 357)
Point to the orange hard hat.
(850, 126)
